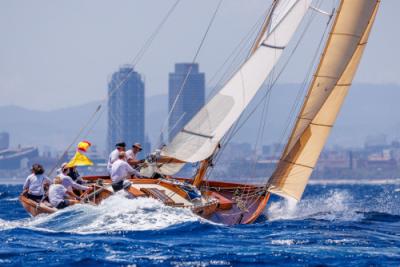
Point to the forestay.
(199, 138)
(325, 96)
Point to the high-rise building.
(4, 140)
(125, 108)
(187, 91)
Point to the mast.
(331, 82)
(199, 138)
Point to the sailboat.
(201, 138)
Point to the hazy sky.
(55, 54)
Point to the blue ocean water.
(334, 225)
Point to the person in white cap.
(131, 155)
(120, 171)
(119, 147)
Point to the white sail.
(325, 97)
(199, 138)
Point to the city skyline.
(46, 65)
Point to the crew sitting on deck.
(121, 171)
(74, 174)
(120, 147)
(35, 183)
(131, 156)
(68, 182)
(58, 195)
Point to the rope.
(134, 62)
(296, 104)
(190, 68)
(238, 125)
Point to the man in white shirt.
(120, 171)
(35, 183)
(120, 147)
(131, 155)
(67, 181)
(58, 195)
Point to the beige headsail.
(199, 138)
(334, 75)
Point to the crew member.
(58, 195)
(35, 183)
(120, 171)
(119, 147)
(131, 155)
(68, 182)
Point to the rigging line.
(261, 128)
(233, 56)
(238, 126)
(296, 104)
(72, 143)
(149, 41)
(137, 58)
(273, 83)
(297, 101)
(191, 66)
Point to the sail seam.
(197, 134)
(347, 34)
(273, 46)
(322, 125)
(327, 77)
(298, 164)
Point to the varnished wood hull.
(220, 213)
(34, 208)
(223, 204)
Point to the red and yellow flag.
(80, 159)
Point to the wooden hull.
(34, 208)
(228, 208)
(220, 203)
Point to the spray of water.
(117, 213)
(335, 205)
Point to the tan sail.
(325, 96)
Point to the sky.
(55, 54)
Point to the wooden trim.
(259, 209)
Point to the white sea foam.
(286, 242)
(336, 205)
(387, 181)
(116, 213)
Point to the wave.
(114, 214)
(389, 181)
(336, 205)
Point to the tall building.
(4, 140)
(189, 95)
(125, 108)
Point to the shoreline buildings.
(125, 108)
(186, 95)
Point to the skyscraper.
(188, 96)
(4, 140)
(125, 108)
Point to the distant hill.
(368, 110)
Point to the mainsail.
(334, 75)
(200, 137)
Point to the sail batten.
(333, 77)
(216, 118)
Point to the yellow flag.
(79, 160)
